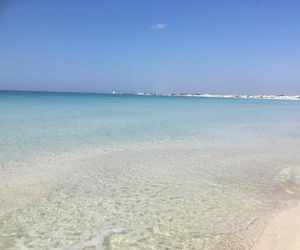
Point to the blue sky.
(211, 46)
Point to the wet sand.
(283, 233)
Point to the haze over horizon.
(218, 47)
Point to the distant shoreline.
(229, 96)
(264, 97)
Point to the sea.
(101, 171)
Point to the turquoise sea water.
(95, 171)
(34, 124)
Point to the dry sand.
(283, 233)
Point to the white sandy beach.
(283, 233)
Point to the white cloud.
(158, 26)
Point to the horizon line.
(136, 93)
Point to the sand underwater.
(88, 171)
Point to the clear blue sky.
(215, 46)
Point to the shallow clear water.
(89, 171)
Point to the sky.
(203, 46)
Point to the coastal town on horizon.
(268, 97)
(229, 96)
